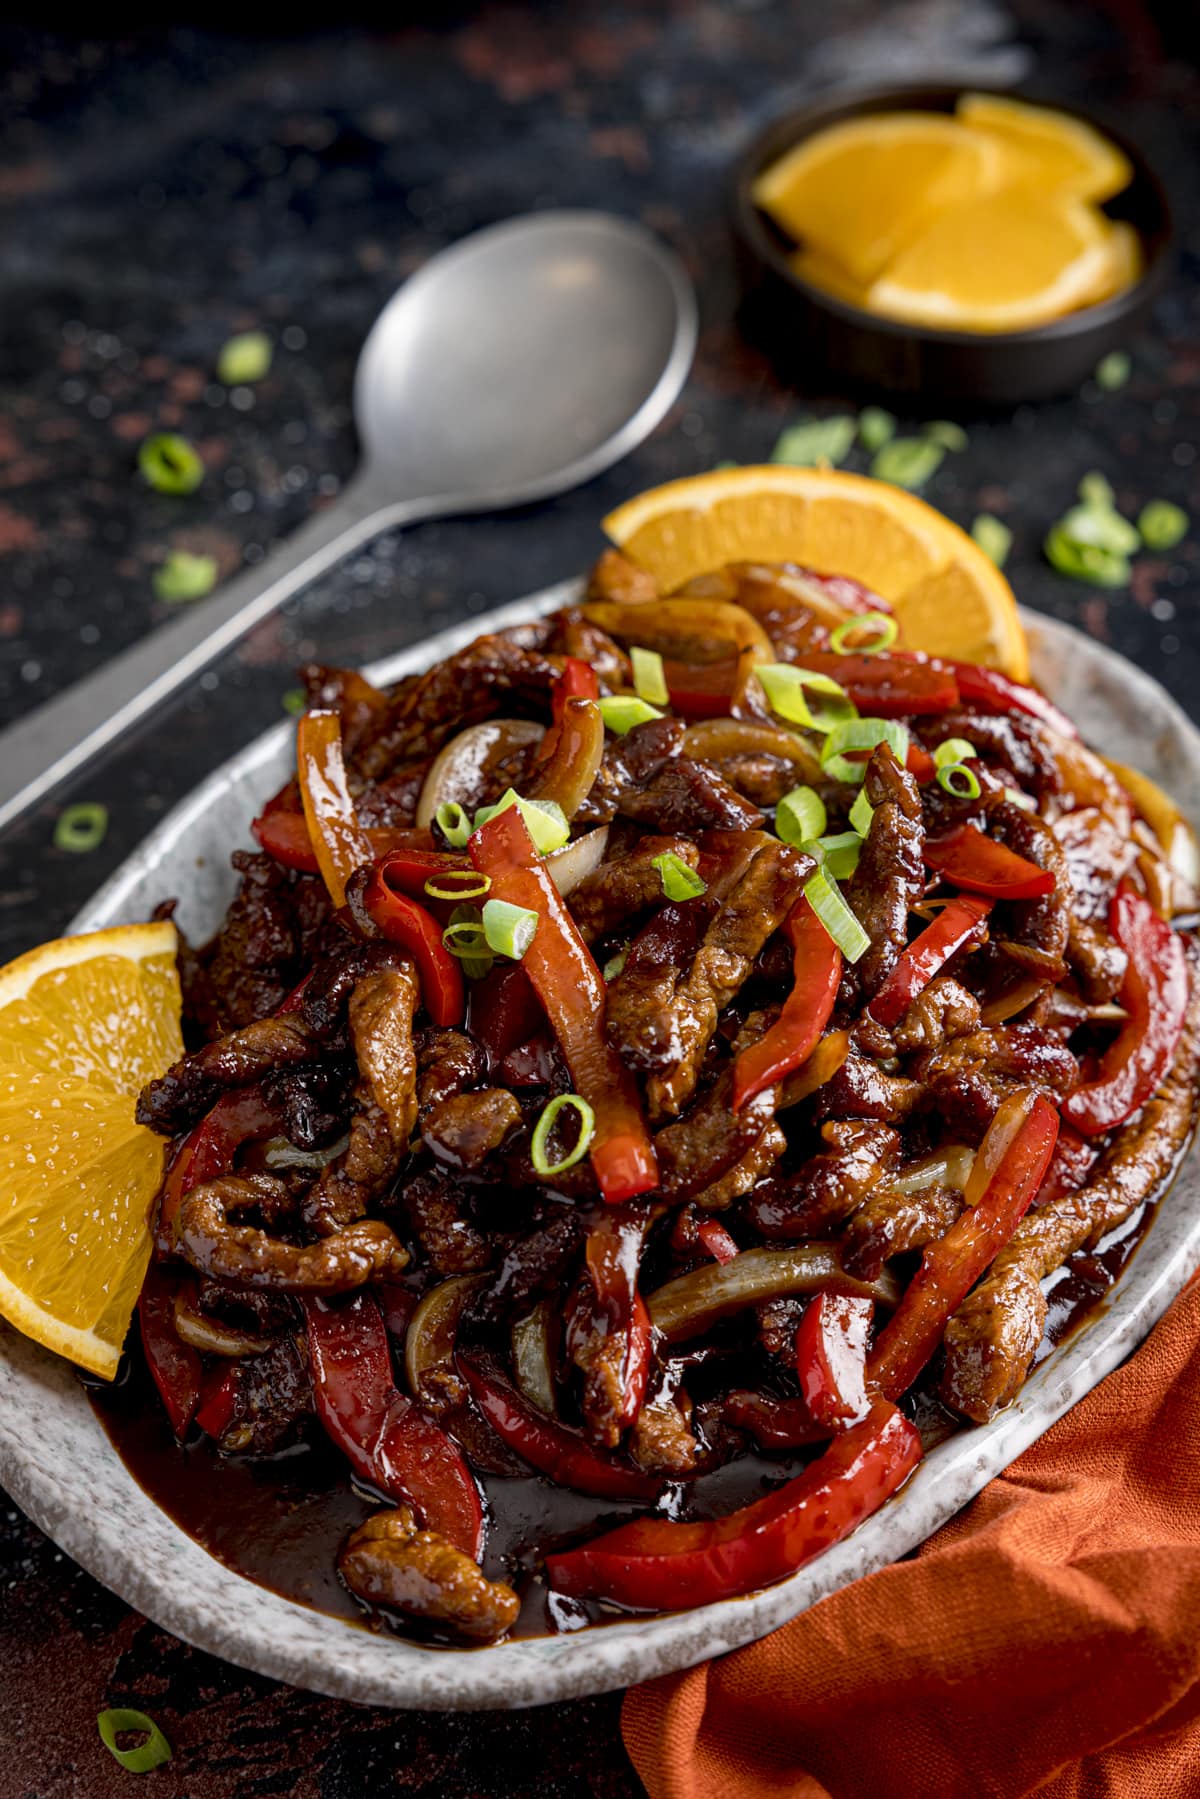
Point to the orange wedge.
(1046, 149)
(949, 598)
(1125, 260)
(858, 191)
(823, 272)
(84, 1023)
(1005, 263)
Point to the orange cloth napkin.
(1047, 1639)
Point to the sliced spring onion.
(1023, 800)
(878, 631)
(815, 440)
(509, 929)
(790, 690)
(1113, 370)
(440, 886)
(183, 576)
(993, 537)
(825, 897)
(649, 678)
(1096, 489)
(862, 812)
(545, 820)
(464, 938)
(295, 701)
(946, 433)
(875, 428)
(1086, 561)
(953, 749)
(1162, 524)
(908, 461)
(453, 823)
(623, 712)
(679, 882)
(139, 1760)
(544, 1126)
(1100, 526)
(800, 815)
(81, 827)
(615, 964)
(861, 734)
(838, 855)
(244, 359)
(170, 464)
(959, 781)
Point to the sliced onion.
(532, 1365)
(573, 751)
(693, 1302)
(1175, 835)
(280, 1153)
(433, 1327)
(717, 739)
(949, 1167)
(212, 1337)
(1000, 1135)
(1088, 780)
(575, 861)
(460, 767)
(688, 628)
(821, 1066)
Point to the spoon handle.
(43, 749)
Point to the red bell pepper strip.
(701, 689)
(919, 763)
(571, 988)
(174, 1365)
(959, 923)
(1072, 1162)
(816, 971)
(340, 843)
(402, 921)
(388, 1440)
(242, 1116)
(578, 681)
(552, 1448)
(284, 835)
(950, 1267)
(990, 691)
(505, 1011)
(774, 1423)
(965, 856)
(219, 1401)
(887, 686)
(655, 1564)
(716, 1241)
(612, 1257)
(831, 1358)
(1154, 993)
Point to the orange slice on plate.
(1048, 149)
(1005, 263)
(949, 598)
(858, 191)
(84, 1023)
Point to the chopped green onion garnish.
(1023, 800)
(169, 463)
(81, 827)
(959, 781)
(861, 812)
(679, 882)
(993, 537)
(789, 689)
(509, 929)
(477, 885)
(295, 701)
(544, 1126)
(946, 433)
(1162, 524)
(545, 820)
(1086, 561)
(875, 427)
(464, 938)
(861, 734)
(838, 855)
(800, 815)
(615, 964)
(953, 749)
(453, 823)
(648, 676)
(908, 461)
(1100, 526)
(244, 359)
(815, 440)
(825, 897)
(1113, 370)
(151, 1754)
(185, 577)
(879, 631)
(1096, 489)
(621, 712)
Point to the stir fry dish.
(658, 1056)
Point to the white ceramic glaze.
(58, 1464)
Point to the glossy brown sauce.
(279, 1520)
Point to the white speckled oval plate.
(58, 1464)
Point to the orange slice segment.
(84, 1022)
(1048, 149)
(949, 598)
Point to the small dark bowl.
(799, 323)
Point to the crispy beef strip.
(754, 910)
(966, 1080)
(995, 1334)
(1038, 926)
(241, 1253)
(889, 879)
(645, 777)
(191, 1086)
(358, 703)
(387, 1561)
(891, 1224)
(448, 1063)
(826, 1188)
(1098, 857)
(462, 690)
(861, 1089)
(1006, 743)
(436, 1206)
(1096, 961)
(272, 1401)
(464, 1129)
(266, 940)
(572, 634)
(615, 577)
(746, 1174)
(696, 1151)
(942, 1011)
(638, 1017)
(661, 1439)
(535, 1265)
(621, 889)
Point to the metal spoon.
(513, 366)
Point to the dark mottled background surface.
(162, 190)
